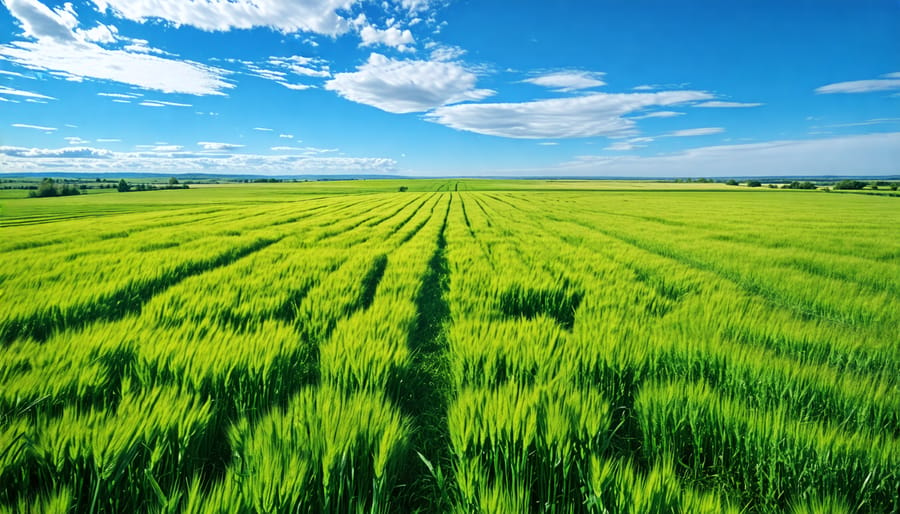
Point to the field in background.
(463, 346)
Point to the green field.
(464, 346)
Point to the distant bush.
(48, 188)
(850, 184)
(731, 182)
(754, 183)
(799, 185)
(403, 189)
(123, 186)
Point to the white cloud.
(392, 36)
(262, 129)
(168, 148)
(89, 160)
(888, 82)
(869, 154)
(415, 5)
(35, 127)
(120, 95)
(16, 74)
(76, 140)
(717, 103)
(706, 131)
(27, 154)
(100, 34)
(63, 50)
(318, 16)
(301, 65)
(597, 114)
(630, 144)
(446, 52)
(218, 147)
(18, 92)
(873, 121)
(565, 81)
(41, 22)
(108, 140)
(307, 150)
(658, 114)
(160, 103)
(296, 87)
(286, 136)
(403, 86)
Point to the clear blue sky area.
(425, 87)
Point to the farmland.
(464, 346)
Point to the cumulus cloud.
(60, 48)
(403, 86)
(597, 114)
(392, 36)
(89, 160)
(317, 16)
(868, 154)
(57, 153)
(218, 147)
(565, 81)
(887, 82)
(718, 103)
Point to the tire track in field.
(465, 214)
(423, 390)
(117, 305)
(806, 310)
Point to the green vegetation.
(463, 346)
(49, 187)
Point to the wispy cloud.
(160, 103)
(597, 114)
(718, 103)
(27, 94)
(887, 82)
(317, 16)
(867, 154)
(658, 114)
(566, 81)
(218, 147)
(121, 95)
(35, 127)
(705, 131)
(262, 129)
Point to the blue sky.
(453, 87)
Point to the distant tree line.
(125, 187)
(49, 187)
